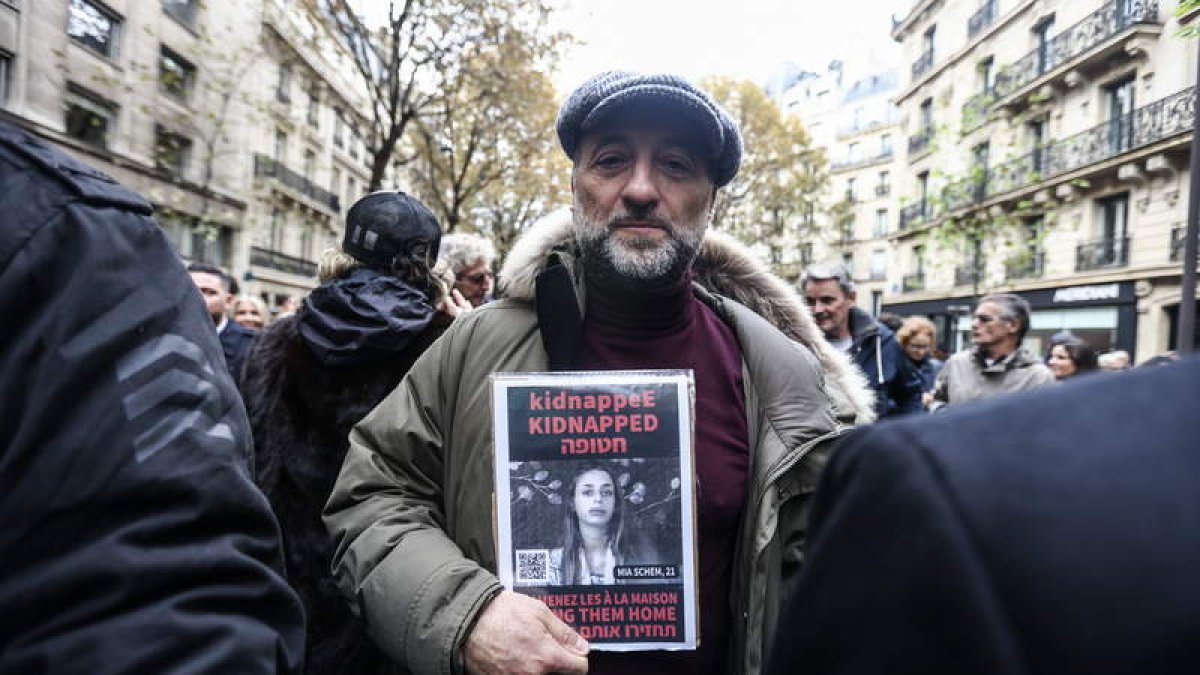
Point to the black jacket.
(301, 412)
(237, 341)
(132, 539)
(1055, 531)
(889, 371)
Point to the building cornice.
(922, 10)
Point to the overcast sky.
(750, 39)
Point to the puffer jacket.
(876, 351)
(965, 377)
(412, 509)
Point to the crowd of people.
(192, 485)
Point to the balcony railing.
(265, 166)
(883, 190)
(881, 156)
(1149, 124)
(965, 275)
(912, 214)
(919, 142)
(1095, 255)
(975, 110)
(1027, 266)
(264, 257)
(963, 193)
(982, 18)
(1114, 17)
(922, 64)
(913, 282)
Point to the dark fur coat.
(301, 413)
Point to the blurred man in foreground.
(1039, 533)
(133, 540)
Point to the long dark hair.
(1080, 353)
(621, 539)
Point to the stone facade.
(1048, 147)
(237, 124)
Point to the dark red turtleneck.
(669, 328)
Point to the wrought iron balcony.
(267, 167)
(975, 110)
(1027, 266)
(1112, 18)
(1149, 124)
(982, 18)
(919, 143)
(963, 193)
(965, 275)
(881, 156)
(913, 282)
(883, 190)
(1095, 255)
(912, 214)
(922, 64)
(264, 257)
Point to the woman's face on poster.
(595, 498)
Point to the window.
(884, 186)
(979, 169)
(183, 11)
(338, 126)
(852, 152)
(986, 74)
(878, 265)
(806, 254)
(851, 189)
(94, 27)
(310, 164)
(881, 223)
(5, 74)
(1119, 98)
(278, 223)
(848, 261)
(172, 151)
(283, 88)
(335, 180)
(925, 117)
(885, 144)
(175, 74)
(927, 40)
(919, 260)
(353, 144)
(314, 107)
(211, 244)
(281, 140)
(1042, 35)
(1037, 141)
(89, 120)
(351, 190)
(1114, 214)
(306, 241)
(923, 191)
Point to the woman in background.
(917, 337)
(250, 312)
(1071, 357)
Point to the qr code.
(533, 566)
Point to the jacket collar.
(724, 267)
(1020, 358)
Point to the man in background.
(133, 539)
(236, 339)
(830, 294)
(469, 258)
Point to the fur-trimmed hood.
(724, 267)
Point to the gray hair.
(1012, 307)
(830, 270)
(460, 251)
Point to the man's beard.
(636, 261)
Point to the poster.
(595, 504)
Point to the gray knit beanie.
(661, 95)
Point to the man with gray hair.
(469, 258)
(829, 292)
(632, 279)
(996, 363)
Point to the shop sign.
(1087, 293)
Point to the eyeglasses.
(984, 318)
(476, 278)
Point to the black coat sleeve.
(131, 535)
(891, 582)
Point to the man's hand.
(518, 635)
(453, 304)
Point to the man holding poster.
(631, 280)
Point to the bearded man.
(631, 281)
